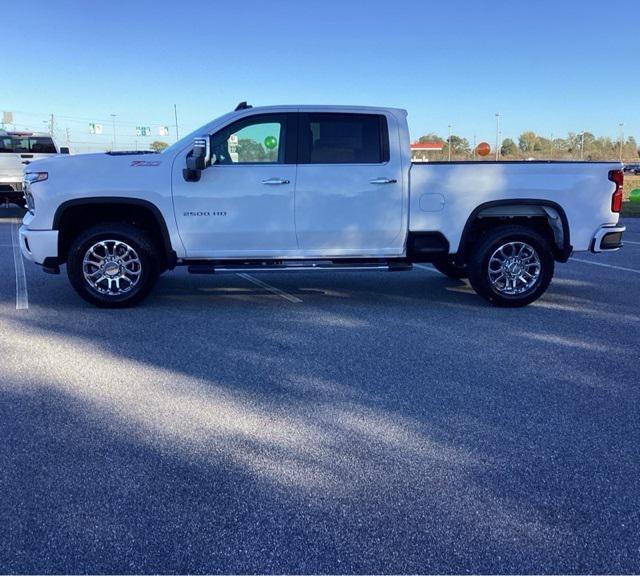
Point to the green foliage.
(251, 151)
(458, 145)
(508, 147)
(430, 138)
(158, 145)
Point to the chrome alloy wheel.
(111, 267)
(514, 268)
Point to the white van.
(17, 150)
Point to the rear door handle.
(383, 181)
(274, 181)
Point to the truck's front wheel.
(511, 266)
(113, 265)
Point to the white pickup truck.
(301, 187)
(17, 150)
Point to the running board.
(221, 269)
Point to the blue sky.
(547, 66)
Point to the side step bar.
(227, 268)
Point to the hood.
(107, 159)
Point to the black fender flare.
(170, 253)
(563, 252)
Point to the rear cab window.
(27, 144)
(338, 138)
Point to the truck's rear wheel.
(449, 268)
(113, 265)
(511, 266)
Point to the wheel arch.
(75, 215)
(501, 212)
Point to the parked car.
(312, 187)
(17, 150)
(631, 168)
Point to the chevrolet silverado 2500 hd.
(299, 187)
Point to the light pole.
(449, 142)
(621, 126)
(497, 136)
(582, 146)
(113, 121)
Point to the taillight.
(617, 177)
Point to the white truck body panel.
(443, 196)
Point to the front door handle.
(273, 181)
(383, 181)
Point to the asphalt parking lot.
(329, 422)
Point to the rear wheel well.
(75, 218)
(548, 221)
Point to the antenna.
(243, 106)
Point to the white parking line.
(270, 288)
(22, 295)
(630, 242)
(605, 265)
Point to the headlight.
(31, 177)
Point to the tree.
(430, 138)
(527, 142)
(508, 148)
(459, 145)
(158, 145)
(251, 151)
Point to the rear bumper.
(608, 239)
(39, 245)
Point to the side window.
(327, 138)
(6, 145)
(42, 145)
(255, 140)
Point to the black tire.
(478, 265)
(133, 237)
(449, 268)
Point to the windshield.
(200, 132)
(29, 144)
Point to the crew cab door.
(243, 204)
(350, 194)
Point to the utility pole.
(449, 142)
(175, 115)
(621, 126)
(497, 136)
(113, 121)
(51, 125)
(582, 146)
